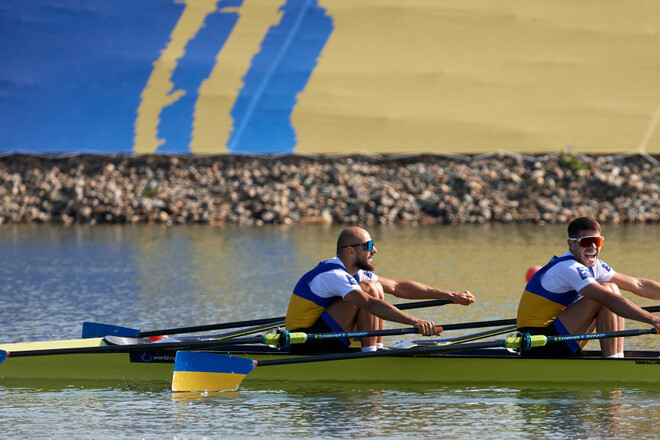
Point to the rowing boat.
(481, 366)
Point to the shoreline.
(256, 190)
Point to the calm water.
(150, 277)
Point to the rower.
(576, 293)
(343, 294)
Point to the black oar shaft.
(448, 349)
(279, 320)
(203, 328)
(617, 334)
(500, 322)
(382, 353)
(478, 324)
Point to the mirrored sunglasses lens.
(588, 241)
(368, 246)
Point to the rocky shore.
(219, 190)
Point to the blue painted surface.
(204, 362)
(98, 330)
(72, 73)
(177, 119)
(279, 72)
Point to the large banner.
(329, 76)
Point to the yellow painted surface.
(419, 76)
(212, 123)
(159, 92)
(198, 381)
(48, 345)
(475, 76)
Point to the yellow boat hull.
(488, 366)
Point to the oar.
(97, 330)
(457, 339)
(282, 339)
(501, 322)
(200, 371)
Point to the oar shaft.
(364, 334)
(204, 328)
(512, 342)
(279, 320)
(478, 324)
(618, 334)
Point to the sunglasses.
(589, 240)
(368, 246)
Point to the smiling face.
(587, 255)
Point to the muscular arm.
(414, 290)
(618, 304)
(387, 311)
(638, 286)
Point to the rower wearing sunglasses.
(576, 293)
(343, 294)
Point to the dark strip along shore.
(258, 190)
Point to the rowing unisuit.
(555, 286)
(317, 289)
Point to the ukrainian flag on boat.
(200, 371)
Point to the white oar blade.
(204, 371)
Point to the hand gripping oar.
(97, 330)
(200, 371)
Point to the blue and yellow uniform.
(314, 293)
(551, 290)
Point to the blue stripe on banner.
(194, 67)
(279, 72)
(205, 362)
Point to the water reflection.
(349, 411)
(587, 413)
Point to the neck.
(350, 268)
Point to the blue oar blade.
(3, 356)
(202, 371)
(96, 330)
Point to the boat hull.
(488, 366)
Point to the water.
(55, 278)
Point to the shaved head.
(349, 236)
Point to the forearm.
(622, 306)
(413, 290)
(648, 288)
(388, 312)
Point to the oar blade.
(204, 371)
(96, 330)
(3, 356)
